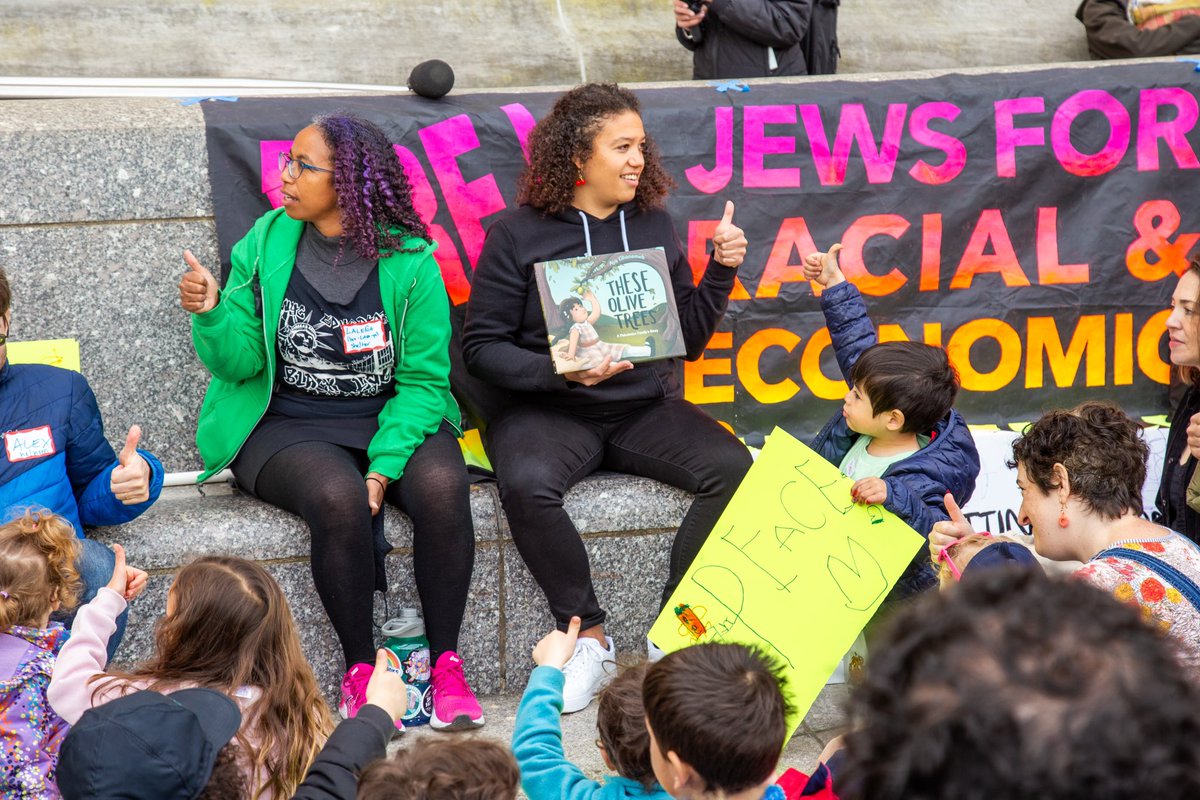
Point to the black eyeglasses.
(294, 166)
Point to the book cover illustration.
(616, 305)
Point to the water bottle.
(408, 654)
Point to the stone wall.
(488, 42)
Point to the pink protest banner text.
(1029, 222)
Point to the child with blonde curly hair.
(38, 551)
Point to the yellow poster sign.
(55, 352)
(793, 566)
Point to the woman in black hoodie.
(594, 185)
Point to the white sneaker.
(588, 671)
(653, 651)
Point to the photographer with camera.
(758, 38)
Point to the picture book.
(616, 305)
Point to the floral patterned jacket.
(1154, 575)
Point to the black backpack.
(820, 43)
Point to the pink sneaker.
(454, 705)
(354, 691)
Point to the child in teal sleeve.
(546, 774)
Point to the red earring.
(580, 181)
(1062, 517)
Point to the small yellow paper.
(471, 445)
(55, 352)
(793, 566)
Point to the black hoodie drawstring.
(587, 233)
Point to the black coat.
(735, 36)
(1170, 506)
(1110, 34)
(353, 745)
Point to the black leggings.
(539, 453)
(323, 484)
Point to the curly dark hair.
(733, 736)
(373, 192)
(443, 769)
(912, 377)
(1015, 686)
(1102, 450)
(567, 134)
(621, 722)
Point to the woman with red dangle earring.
(1080, 473)
(594, 185)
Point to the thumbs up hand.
(130, 479)
(729, 241)
(823, 267)
(197, 287)
(126, 581)
(948, 531)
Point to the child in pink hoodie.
(228, 628)
(37, 576)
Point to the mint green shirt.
(858, 463)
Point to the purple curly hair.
(373, 192)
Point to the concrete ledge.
(627, 523)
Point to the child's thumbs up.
(119, 579)
(824, 268)
(126, 581)
(387, 689)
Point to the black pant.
(323, 484)
(538, 453)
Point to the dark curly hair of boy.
(621, 722)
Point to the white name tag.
(30, 443)
(362, 337)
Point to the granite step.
(627, 525)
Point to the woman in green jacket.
(330, 392)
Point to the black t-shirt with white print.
(334, 344)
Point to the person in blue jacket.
(56, 457)
(897, 434)
(624, 743)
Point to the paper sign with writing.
(55, 352)
(364, 337)
(793, 566)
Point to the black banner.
(1030, 222)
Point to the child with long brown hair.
(38, 550)
(227, 627)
